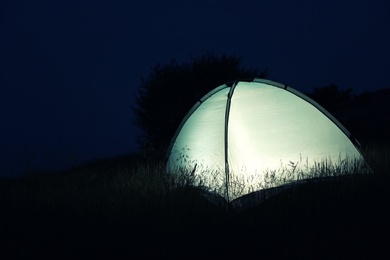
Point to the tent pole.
(226, 139)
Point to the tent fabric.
(249, 136)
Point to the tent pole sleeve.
(226, 139)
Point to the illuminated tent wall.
(251, 136)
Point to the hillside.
(116, 213)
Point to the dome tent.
(255, 135)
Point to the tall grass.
(243, 182)
(140, 182)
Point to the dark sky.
(69, 69)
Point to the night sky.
(69, 70)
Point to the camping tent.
(248, 136)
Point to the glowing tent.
(248, 136)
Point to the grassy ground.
(127, 208)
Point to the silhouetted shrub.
(170, 90)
